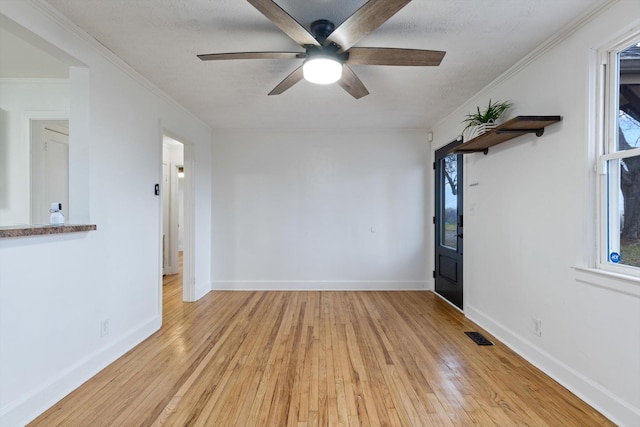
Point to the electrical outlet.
(537, 326)
(104, 327)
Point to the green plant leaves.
(488, 115)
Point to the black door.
(448, 223)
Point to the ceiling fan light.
(322, 70)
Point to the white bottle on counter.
(57, 218)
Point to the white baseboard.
(610, 405)
(26, 408)
(318, 285)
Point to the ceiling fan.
(329, 50)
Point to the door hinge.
(434, 165)
(434, 219)
(434, 274)
(461, 221)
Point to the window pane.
(449, 191)
(629, 98)
(623, 199)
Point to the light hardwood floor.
(317, 359)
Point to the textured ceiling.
(160, 39)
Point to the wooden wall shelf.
(513, 128)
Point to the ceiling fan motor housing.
(330, 51)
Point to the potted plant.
(484, 120)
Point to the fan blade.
(391, 56)
(252, 55)
(285, 22)
(364, 20)
(352, 84)
(289, 81)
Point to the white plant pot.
(484, 128)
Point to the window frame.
(607, 101)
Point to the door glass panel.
(449, 191)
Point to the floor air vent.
(478, 338)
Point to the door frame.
(455, 297)
(188, 260)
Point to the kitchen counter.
(38, 230)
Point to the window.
(619, 164)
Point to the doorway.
(172, 204)
(49, 168)
(449, 223)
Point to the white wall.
(534, 221)
(295, 210)
(21, 99)
(56, 289)
(20, 59)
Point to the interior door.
(449, 224)
(49, 168)
(57, 169)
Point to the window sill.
(38, 230)
(621, 283)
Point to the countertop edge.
(39, 230)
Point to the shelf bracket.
(538, 132)
(485, 151)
